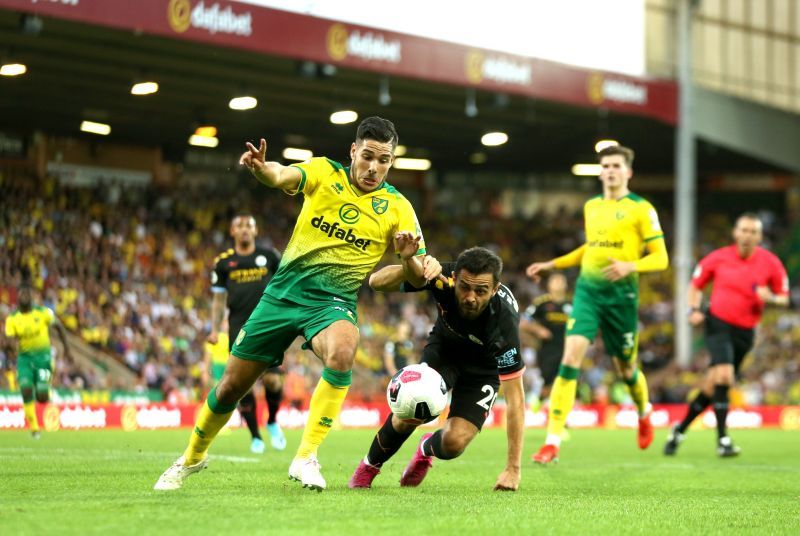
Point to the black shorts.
(727, 343)
(474, 389)
(548, 359)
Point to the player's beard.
(468, 312)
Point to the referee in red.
(746, 278)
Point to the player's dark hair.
(243, 215)
(625, 152)
(478, 261)
(749, 216)
(377, 129)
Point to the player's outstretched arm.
(514, 393)
(387, 279)
(573, 258)
(271, 174)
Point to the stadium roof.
(79, 71)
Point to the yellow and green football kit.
(35, 359)
(616, 229)
(340, 235)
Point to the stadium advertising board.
(281, 33)
(370, 415)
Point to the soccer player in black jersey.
(546, 319)
(474, 345)
(241, 273)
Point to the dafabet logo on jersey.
(336, 231)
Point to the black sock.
(721, 408)
(696, 407)
(433, 447)
(386, 443)
(247, 409)
(274, 399)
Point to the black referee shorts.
(727, 344)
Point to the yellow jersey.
(616, 229)
(31, 328)
(340, 235)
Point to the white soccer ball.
(417, 393)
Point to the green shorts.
(35, 371)
(615, 314)
(274, 324)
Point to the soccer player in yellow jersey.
(350, 217)
(623, 238)
(30, 326)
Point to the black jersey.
(488, 342)
(244, 277)
(552, 315)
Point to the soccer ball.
(417, 393)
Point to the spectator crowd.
(127, 269)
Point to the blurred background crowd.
(127, 269)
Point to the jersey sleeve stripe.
(512, 375)
(302, 178)
(653, 238)
(218, 290)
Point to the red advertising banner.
(158, 416)
(281, 33)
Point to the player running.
(30, 326)
(350, 217)
(746, 278)
(620, 226)
(241, 274)
(474, 345)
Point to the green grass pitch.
(100, 482)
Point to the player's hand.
(696, 318)
(544, 334)
(254, 158)
(618, 270)
(406, 244)
(533, 271)
(765, 294)
(508, 480)
(431, 268)
(213, 337)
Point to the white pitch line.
(115, 454)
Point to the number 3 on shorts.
(488, 401)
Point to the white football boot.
(307, 472)
(176, 475)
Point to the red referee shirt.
(734, 298)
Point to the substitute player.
(30, 326)
(474, 345)
(241, 274)
(350, 217)
(620, 227)
(546, 319)
(746, 278)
